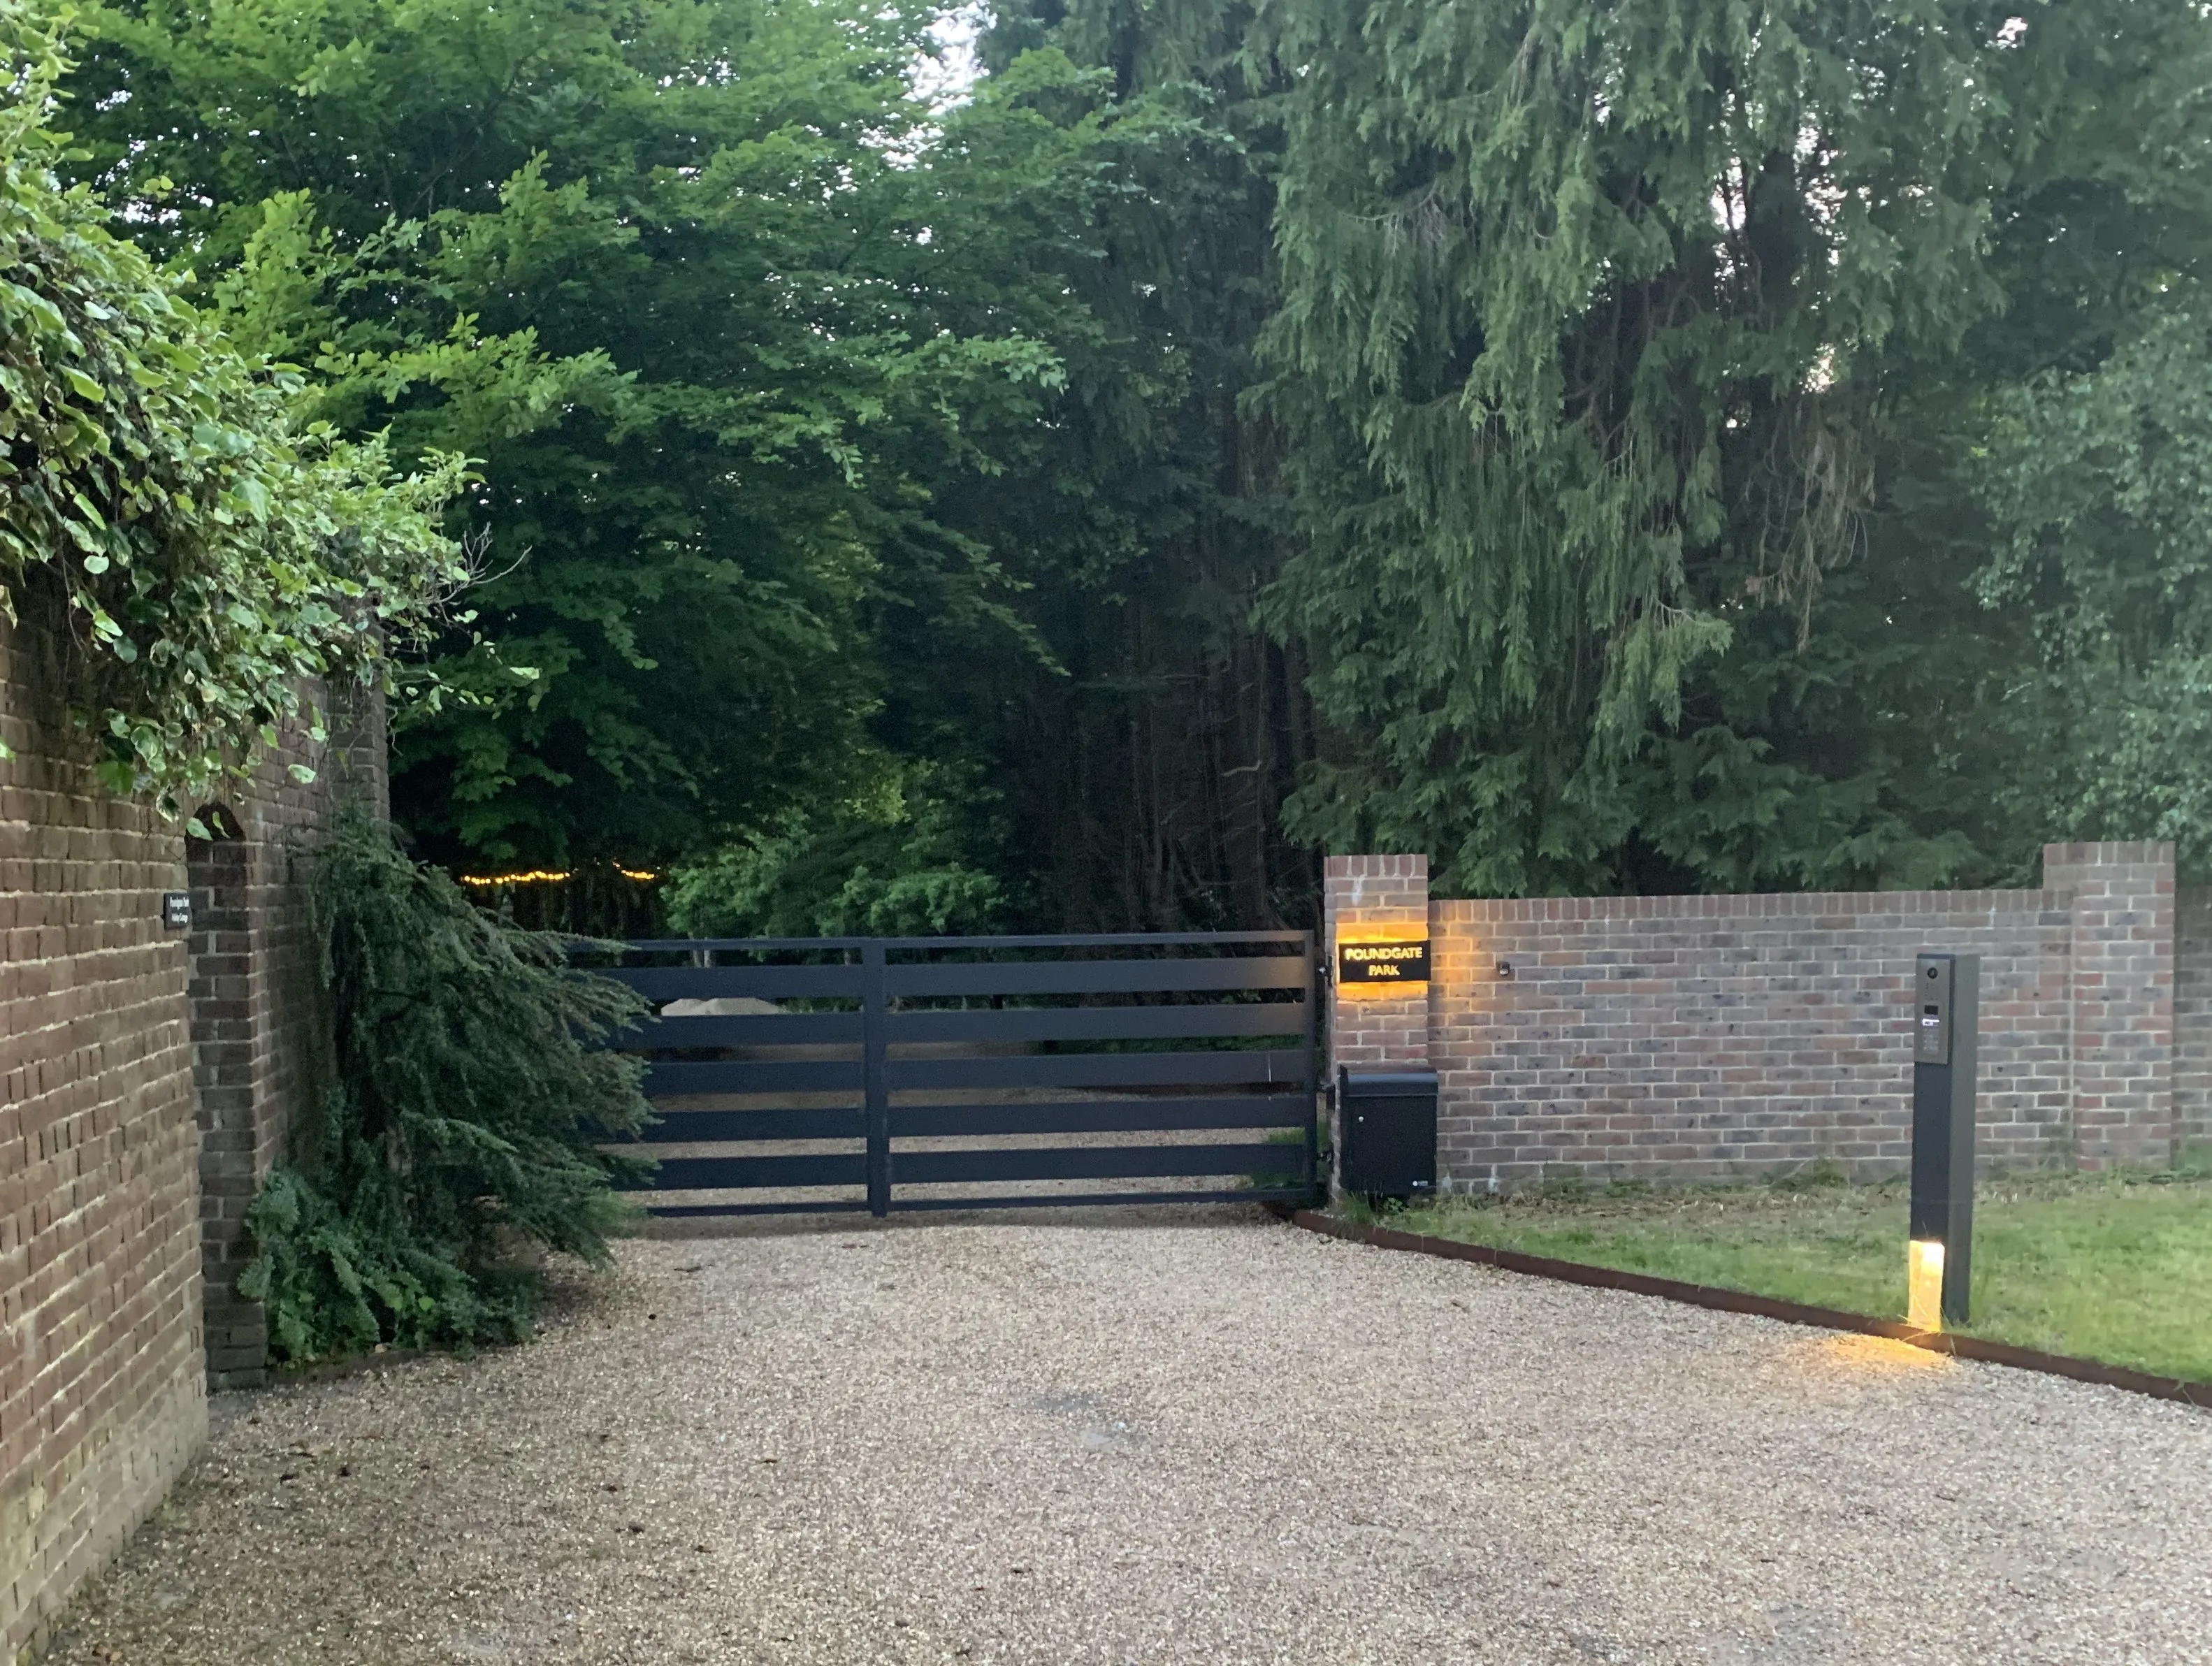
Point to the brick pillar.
(2120, 987)
(225, 1068)
(1375, 898)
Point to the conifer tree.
(473, 1118)
(1610, 339)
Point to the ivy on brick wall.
(207, 551)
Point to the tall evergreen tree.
(1633, 358)
(1150, 775)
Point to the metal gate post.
(1311, 1040)
(875, 1098)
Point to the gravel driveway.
(1203, 1438)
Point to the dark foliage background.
(1683, 445)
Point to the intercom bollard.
(1939, 1259)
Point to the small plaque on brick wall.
(1373, 964)
(176, 910)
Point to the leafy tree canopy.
(1684, 444)
(167, 500)
(709, 296)
(2100, 484)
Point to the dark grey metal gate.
(885, 1074)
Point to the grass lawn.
(2116, 1267)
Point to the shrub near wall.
(470, 1109)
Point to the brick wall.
(2123, 989)
(1690, 1037)
(1698, 1037)
(147, 1079)
(102, 1394)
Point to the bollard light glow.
(1924, 1284)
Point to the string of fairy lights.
(542, 876)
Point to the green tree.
(165, 504)
(1144, 787)
(673, 274)
(1633, 359)
(2101, 482)
(1667, 447)
(899, 864)
(840, 438)
(469, 1118)
(1130, 773)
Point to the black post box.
(1388, 1128)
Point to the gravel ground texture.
(1158, 1438)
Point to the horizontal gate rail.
(718, 1030)
(1066, 1059)
(1078, 940)
(1105, 1116)
(1100, 1070)
(833, 1205)
(684, 1174)
(711, 1128)
(753, 1076)
(720, 982)
(699, 945)
(1082, 1200)
(1089, 1162)
(1101, 941)
(1179, 1023)
(1077, 977)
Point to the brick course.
(1705, 1038)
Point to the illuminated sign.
(1373, 964)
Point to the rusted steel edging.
(1767, 1307)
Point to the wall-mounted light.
(1939, 1260)
(1505, 969)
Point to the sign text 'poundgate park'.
(1381, 962)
